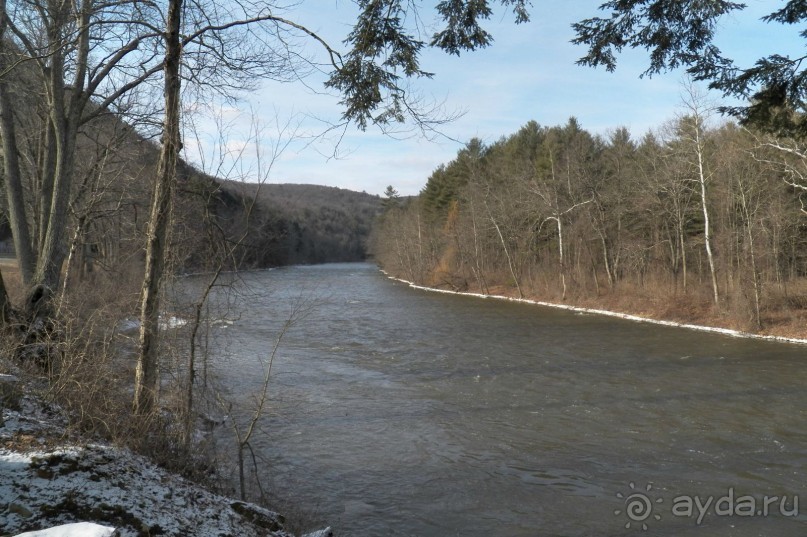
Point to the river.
(400, 412)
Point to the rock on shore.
(47, 481)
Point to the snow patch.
(130, 326)
(80, 529)
(167, 323)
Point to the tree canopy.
(385, 47)
(681, 33)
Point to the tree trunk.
(64, 121)
(74, 245)
(146, 375)
(707, 237)
(11, 168)
(683, 256)
(5, 305)
(561, 265)
(47, 165)
(605, 257)
(506, 253)
(478, 270)
(53, 253)
(748, 214)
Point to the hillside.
(289, 223)
(304, 224)
(110, 197)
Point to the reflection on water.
(403, 412)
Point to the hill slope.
(304, 224)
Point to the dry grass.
(89, 366)
(784, 310)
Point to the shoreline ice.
(608, 313)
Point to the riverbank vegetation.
(700, 221)
(97, 102)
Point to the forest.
(305, 224)
(700, 220)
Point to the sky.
(281, 131)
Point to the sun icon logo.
(638, 506)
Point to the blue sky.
(529, 73)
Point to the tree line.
(698, 218)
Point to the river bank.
(644, 318)
(55, 482)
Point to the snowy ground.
(49, 480)
(79, 529)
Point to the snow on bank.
(131, 326)
(79, 529)
(628, 316)
(47, 480)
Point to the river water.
(402, 412)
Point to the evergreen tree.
(682, 34)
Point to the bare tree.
(791, 164)
(692, 129)
(666, 177)
(300, 308)
(223, 246)
(503, 241)
(557, 185)
(146, 375)
(750, 191)
(11, 166)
